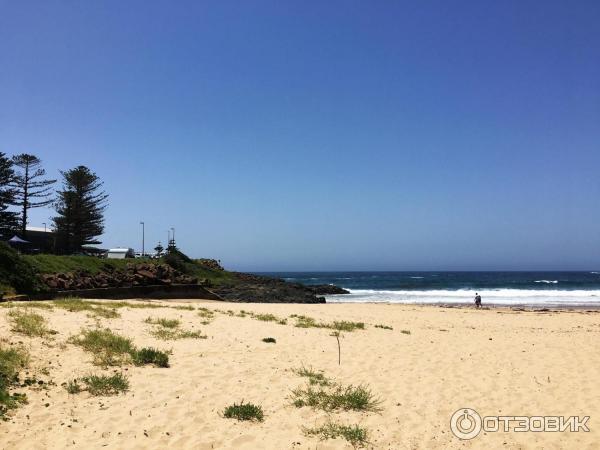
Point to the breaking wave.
(464, 296)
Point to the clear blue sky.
(321, 135)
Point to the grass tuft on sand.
(29, 323)
(315, 377)
(111, 349)
(335, 397)
(99, 385)
(342, 325)
(356, 435)
(269, 340)
(168, 330)
(12, 361)
(149, 355)
(244, 411)
(108, 348)
(94, 309)
(165, 323)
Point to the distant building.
(39, 240)
(120, 253)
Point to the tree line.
(79, 204)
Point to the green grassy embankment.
(20, 273)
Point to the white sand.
(496, 361)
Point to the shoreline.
(487, 306)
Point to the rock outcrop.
(132, 275)
(328, 289)
(259, 289)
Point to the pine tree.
(32, 191)
(8, 219)
(80, 210)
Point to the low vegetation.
(169, 330)
(343, 325)
(244, 411)
(269, 340)
(405, 331)
(149, 355)
(108, 348)
(99, 385)
(16, 273)
(29, 323)
(336, 397)
(12, 361)
(261, 316)
(106, 310)
(165, 323)
(356, 435)
(384, 327)
(39, 305)
(314, 377)
(184, 307)
(111, 349)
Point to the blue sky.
(315, 135)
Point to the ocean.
(536, 289)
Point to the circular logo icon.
(465, 423)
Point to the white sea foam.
(547, 281)
(417, 278)
(496, 296)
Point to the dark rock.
(328, 289)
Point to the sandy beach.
(433, 362)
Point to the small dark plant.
(244, 411)
(150, 356)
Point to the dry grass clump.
(29, 323)
(343, 325)
(94, 309)
(315, 377)
(169, 330)
(165, 323)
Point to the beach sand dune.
(434, 362)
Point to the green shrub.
(16, 273)
(150, 356)
(384, 327)
(244, 411)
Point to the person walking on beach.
(477, 300)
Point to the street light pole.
(44, 223)
(143, 237)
